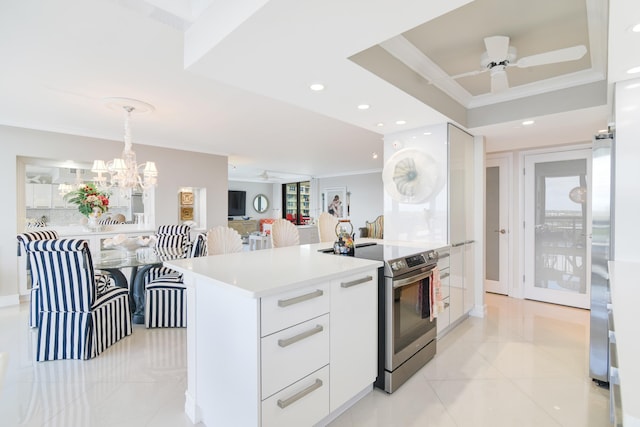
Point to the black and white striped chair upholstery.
(34, 302)
(35, 224)
(165, 293)
(109, 221)
(76, 321)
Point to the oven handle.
(409, 280)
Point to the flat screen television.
(237, 203)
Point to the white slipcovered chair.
(284, 233)
(223, 240)
(327, 227)
(81, 314)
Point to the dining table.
(139, 262)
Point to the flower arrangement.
(89, 199)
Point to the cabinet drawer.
(290, 308)
(302, 404)
(294, 353)
(444, 281)
(443, 318)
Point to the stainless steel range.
(406, 335)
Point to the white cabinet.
(456, 283)
(57, 199)
(445, 289)
(461, 216)
(354, 336)
(38, 195)
(287, 359)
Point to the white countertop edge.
(625, 295)
(285, 287)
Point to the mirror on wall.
(46, 183)
(260, 203)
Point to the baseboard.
(9, 300)
(478, 311)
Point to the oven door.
(408, 328)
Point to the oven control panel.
(410, 262)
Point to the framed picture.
(186, 198)
(334, 201)
(186, 214)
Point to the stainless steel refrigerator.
(602, 197)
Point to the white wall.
(366, 200)
(253, 189)
(627, 171)
(176, 169)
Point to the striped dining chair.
(34, 302)
(81, 314)
(165, 293)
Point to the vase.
(92, 219)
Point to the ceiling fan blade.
(497, 48)
(561, 55)
(470, 73)
(499, 81)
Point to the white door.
(558, 227)
(497, 204)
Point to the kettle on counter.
(345, 243)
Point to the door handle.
(501, 231)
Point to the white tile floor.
(525, 364)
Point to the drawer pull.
(446, 305)
(294, 339)
(301, 298)
(286, 402)
(444, 276)
(356, 282)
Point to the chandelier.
(124, 172)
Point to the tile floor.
(525, 364)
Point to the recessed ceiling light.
(427, 133)
(363, 107)
(528, 122)
(316, 87)
(636, 28)
(380, 125)
(374, 155)
(633, 70)
(401, 122)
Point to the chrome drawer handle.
(446, 305)
(294, 339)
(286, 402)
(444, 275)
(301, 298)
(356, 282)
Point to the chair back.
(199, 247)
(327, 227)
(284, 233)
(173, 236)
(34, 235)
(64, 272)
(223, 240)
(375, 229)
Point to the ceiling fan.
(500, 55)
(266, 176)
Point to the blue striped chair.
(34, 302)
(80, 316)
(166, 296)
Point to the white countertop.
(625, 298)
(270, 271)
(266, 272)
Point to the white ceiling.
(229, 77)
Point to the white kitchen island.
(278, 337)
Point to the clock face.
(578, 194)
